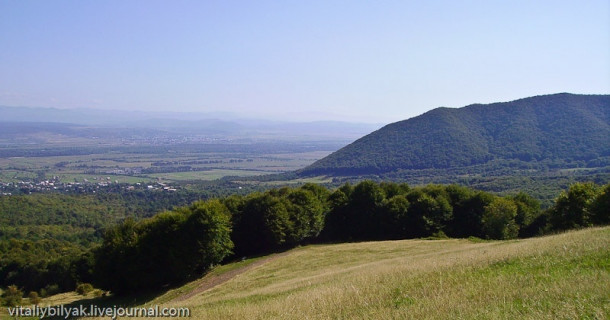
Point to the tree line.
(182, 244)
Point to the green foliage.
(307, 215)
(49, 290)
(572, 207)
(12, 296)
(84, 289)
(365, 217)
(209, 229)
(336, 219)
(43, 236)
(397, 210)
(367, 211)
(600, 207)
(468, 209)
(37, 264)
(499, 219)
(277, 219)
(258, 227)
(545, 130)
(181, 244)
(371, 211)
(432, 209)
(80, 218)
(34, 298)
(171, 247)
(528, 210)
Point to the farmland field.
(123, 166)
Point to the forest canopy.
(184, 243)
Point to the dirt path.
(211, 281)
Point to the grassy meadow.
(565, 276)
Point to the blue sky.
(371, 61)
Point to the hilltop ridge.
(560, 130)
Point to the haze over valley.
(314, 159)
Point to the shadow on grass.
(100, 306)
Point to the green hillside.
(553, 131)
(563, 276)
(556, 277)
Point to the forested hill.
(558, 129)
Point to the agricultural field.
(58, 152)
(184, 164)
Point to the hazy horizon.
(299, 61)
(193, 116)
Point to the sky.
(359, 61)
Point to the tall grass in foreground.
(564, 276)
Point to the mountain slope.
(560, 127)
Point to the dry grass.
(55, 300)
(64, 298)
(563, 276)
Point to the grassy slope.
(561, 276)
(564, 276)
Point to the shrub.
(84, 288)
(12, 296)
(49, 290)
(34, 298)
(439, 235)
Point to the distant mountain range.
(556, 129)
(224, 125)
